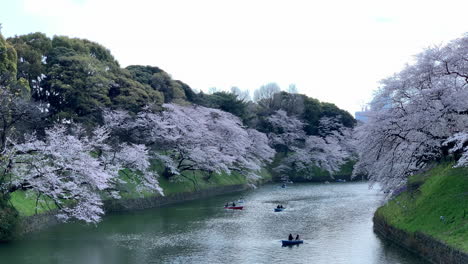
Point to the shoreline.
(35, 223)
(423, 245)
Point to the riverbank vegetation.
(434, 203)
(76, 129)
(418, 116)
(417, 121)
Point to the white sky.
(335, 51)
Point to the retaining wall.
(157, 201)
(427, 247)
(42, 221)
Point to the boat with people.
(279, 208)
(234, 207)
(291, 242)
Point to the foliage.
(196, 138)
(63, 169)
(293, 104)
(228, 102)
(17, 114)
(8, 58)
(413, 115)
(285, 131)
(8, 220)
(346, 171)
(311, 115)
(436, 208)
(310, 155)
(160, 81)
(70, 163)
(198, 180)
(332, 111)
(460, 147)
(32, 52)
(77, 77)
(306, 109)
(26, 204)
(131, 95)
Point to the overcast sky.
(335, 51)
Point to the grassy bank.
(190, 181)
(316, 174)
(435, 203)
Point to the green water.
(335, 221)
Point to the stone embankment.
(427, 247)
(46, 220)
(122, 205)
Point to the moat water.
(334, 220)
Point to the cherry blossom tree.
(187, 138)
(328, 151)
(73, 170)
(413, 115)
(460, 145)
(325, 154)
(286, 131)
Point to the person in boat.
(297, 237)
(281, 206)
(278, 207)
(290, 237)
(233, 204)
(226, 205)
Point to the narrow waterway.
(335, 221)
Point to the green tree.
(78, 77)
(159, 80)
(8, 58)
(311, 115)
(331, 110)
(77, 84)
(32, 52)
(227, 102)
(126, 93)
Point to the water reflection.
(334, 220)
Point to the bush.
(8, 220)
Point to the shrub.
(8, 220)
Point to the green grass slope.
(435, 203)
(191, 181)
(25, 204)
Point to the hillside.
(77, 129)
(435, 203)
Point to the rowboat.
(234, 207)
(279, 209)
(291, 242)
